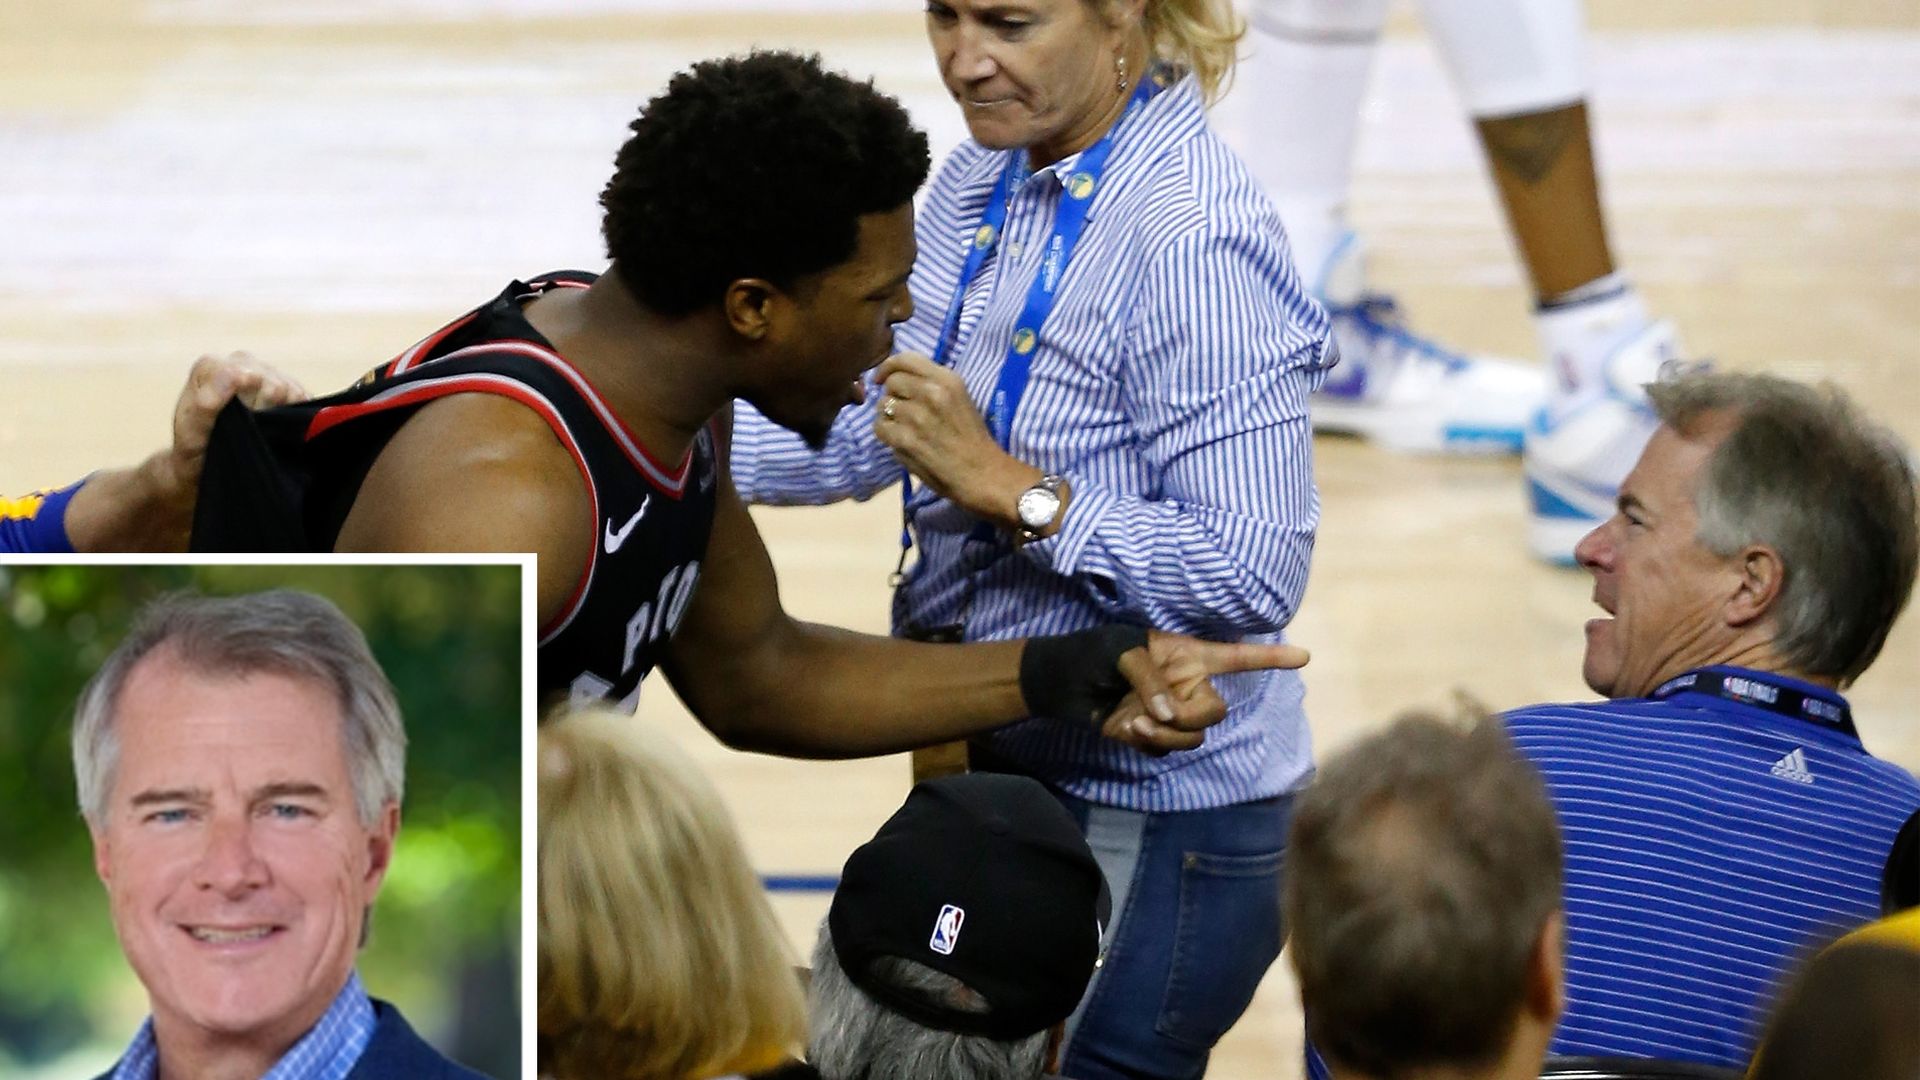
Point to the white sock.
(1580, 329)
(1296, 107)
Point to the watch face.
(1037, 507)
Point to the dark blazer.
(396, 1053)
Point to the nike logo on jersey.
(616, 537)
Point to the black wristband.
(1076, 677)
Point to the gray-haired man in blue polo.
(1720, 811)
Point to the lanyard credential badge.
(1077, 191)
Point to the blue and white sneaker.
(1407, 392)
(1578, 449)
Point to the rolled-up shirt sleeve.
(1221, 357)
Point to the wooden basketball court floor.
(321, 181)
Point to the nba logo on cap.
(946, 930)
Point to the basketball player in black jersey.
(761, 230)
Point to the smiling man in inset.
(240, 764)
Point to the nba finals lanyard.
(1070, 219)
(1755, 689)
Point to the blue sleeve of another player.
(37, 524)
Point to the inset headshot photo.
(261, 821)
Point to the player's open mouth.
(231, 935)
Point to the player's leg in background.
(1297, 100)
(1519, 66)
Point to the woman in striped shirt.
(1100, 414)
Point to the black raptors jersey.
(284, 480)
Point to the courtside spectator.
(960, 939)
(1854, 1012)
(1423, 896)
(659, 955)
(1720, 811)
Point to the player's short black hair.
(753, 166)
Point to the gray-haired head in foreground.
(280, 632)
(1423, 864)
(1805, 473)
(853, 1037)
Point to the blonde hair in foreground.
(1202, 36)
(659, 955)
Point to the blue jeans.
(1196, 925)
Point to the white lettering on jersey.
(659, 617)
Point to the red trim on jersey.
(426, 345)
(486, 383)
(671, 483)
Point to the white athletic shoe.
(1407, 392)
(1578, 450)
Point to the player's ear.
(748, 305)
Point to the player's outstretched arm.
(149, 507)
(761, 680)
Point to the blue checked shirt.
(328, 1051)
(1170, 387)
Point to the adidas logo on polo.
(1793, 767)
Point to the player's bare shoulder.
(475, 472)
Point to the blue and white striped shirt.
(1710, 845)
(1170, 387)
(328, 1051)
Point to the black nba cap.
(984, 877)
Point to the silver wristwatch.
(1038, 507)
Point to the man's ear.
(380, 840)
(749, 304)
(102, 864)
(1762, 577)
(1546, 970)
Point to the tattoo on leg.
(1528, 147)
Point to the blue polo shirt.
(1716, 832)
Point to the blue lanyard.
(1068, 223)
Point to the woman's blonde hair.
(659, 955)
(1202, 36)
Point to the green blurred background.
(445, 944)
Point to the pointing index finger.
(1223, 658)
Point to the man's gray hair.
(1804, 472)
(853, 1037)
(283, 632)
